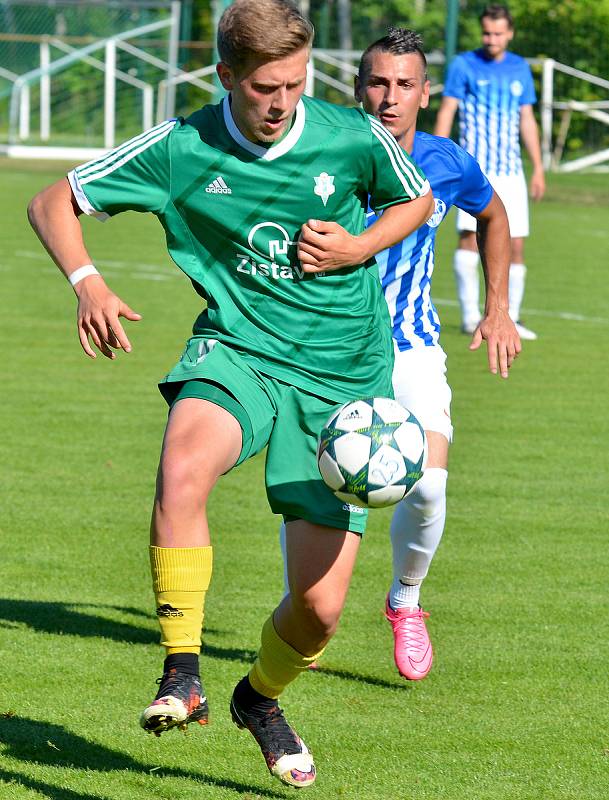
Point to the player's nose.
(280, 99)
(391, 94)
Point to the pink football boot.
(412, 650)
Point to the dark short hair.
(497, 11)
(398, 42)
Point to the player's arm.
(529, 133)
(54, 215)
(445, 117)
(496, 326)
(326, 246)
(396, 186)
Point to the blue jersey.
(406, 268)
(490, 95)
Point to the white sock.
(416, 530)
(518, 274)
(404, 595)
(465, 265)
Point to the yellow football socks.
(180, 579)
(278, 664)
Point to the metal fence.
(78, 77)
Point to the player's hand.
(537, 185)
(98, 315)
(326, 246)
(502, 341)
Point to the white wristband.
(82, 272)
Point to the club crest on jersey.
(516, 88)
(438, 214)
(324, 186)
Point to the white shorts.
(420, 385)
(512, 189)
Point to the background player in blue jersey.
(493, 91)
(392, 84)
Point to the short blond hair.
(264, 30)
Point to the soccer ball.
(371, 452)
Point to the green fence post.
(452, 27)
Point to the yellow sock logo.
(168, 611)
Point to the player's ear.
(225, 74)
(425, 95)
(357, 92)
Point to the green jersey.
(232, 212)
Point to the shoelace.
(411, 625)
(281, 735)
(168, 682)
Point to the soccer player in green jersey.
(263, 199)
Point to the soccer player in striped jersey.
(493, 91)
(263, 200)
(392, 84)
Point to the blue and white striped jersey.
(406, 268)
(490, 94)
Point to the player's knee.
(319, 614)
(180, 479)
(430, 492)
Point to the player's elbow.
(53, 201)
(427, 207)
(431, 203)
(35, 210)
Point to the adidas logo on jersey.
(218, 186)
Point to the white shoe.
(525, 333)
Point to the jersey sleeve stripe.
(409, 168)
(403, 179)
(82, 199)
(99, 164)
(92, 176)
(413, 190)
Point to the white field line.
(537, 312)
(156, 272)
(149, 272)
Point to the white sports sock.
(517, 280)
(465, 265)
(416, 529)
(404, 595)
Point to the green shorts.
(271, 413)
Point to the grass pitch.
(515, 707)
